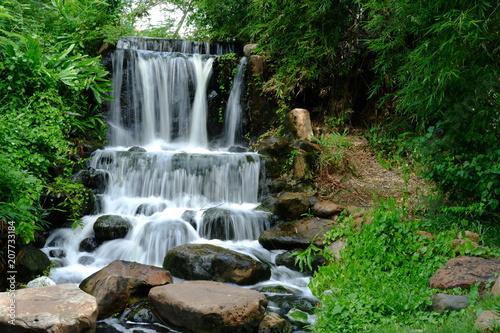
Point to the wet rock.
(140, 312)
(443, 302)
(326, 209)
(42, 281)
(108, 227)
(86, 260)
(462, 272)
(123, 281)
(88, 244)
(290, 206)
(57, 253)
(298, 316)
(190, 217)
(210, 262)
(96, 180)
(137, 149)
(217, 224)
(288, 260)
(274, 323)
(59, 309)
(30, 263)
(150, 209)
(296, 234)
(237, 149)
(299, 124)
(276, 153)
(210, 307)
(488, 321)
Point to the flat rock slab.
(296, 234)
(462, 272)
(56, 309)
(114, 285)
(209, 307)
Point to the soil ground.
(362, 181)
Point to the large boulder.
(108, 227)
(291, 206)
(215, 263)
(296, 234)
(299, 124)
(57, 309)
(209, 307)
(121, 283)
(30, 263)
(462, 272)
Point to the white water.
(233, 109)
(160, 103)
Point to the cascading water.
(167, 187)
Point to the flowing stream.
(165, 187)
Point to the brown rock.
(290, 206)
(470, 235)
(495, 290)
(274, 323)
(206, 306)
(460, 244)
(326, 209)
(488, 321)
(299, 123)
(57, 309)
(296, 234)
(336, 247)
(462, 272)
(120, 281)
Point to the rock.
(299, 124)
(108, 227)
(248, 49)
(336, 247)
(88, 244)
(217, 223)
(123, 281)
(96, 180)
(140, 312)
(462, 272)
(137, 149)
(275, 152)
(190, 217)
(302, 165)
(209, 307)
(57, 253)
(291, 206)
(470, 235)
(237, 149)
(298, 316)
(210, 262)
(443, 302)
(495, 290)
(58, 309)
(285, 259)
(30, 263)
(274, 323)
(42, 281)
(488, 321)
(326, 209)
(296, 234)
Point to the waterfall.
(233, 109)
(163, 178)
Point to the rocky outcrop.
(209, 307)
(210, 262)
(96, 180)
(462, 272)
(121, 282)
(30, 263)
(57, 309)
(296, 234)
(108, 227)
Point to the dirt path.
(364, 181)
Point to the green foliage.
(51, 91)
(334, 146)
(359, 292)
